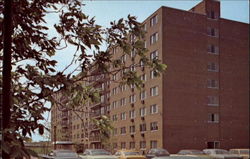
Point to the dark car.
(155, 153)
(61, 154)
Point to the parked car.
(129, 154)
(242, 152)
(221, 153)
(61, 154)
(157, 154)
(193, 153)
(97, 154)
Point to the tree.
(34, 79)
(105, 127)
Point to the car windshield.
(131, 153)
(100, 152)
(221, 152)
(65, 154)
(245, 152)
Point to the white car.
(97, 154)
(221, 153)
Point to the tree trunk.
(7, 32)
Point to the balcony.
(94, 139)
(93, 127)
(96, 114)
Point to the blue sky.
(107, 11)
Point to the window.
(141, 63)
(123, 116)
(115, 77)
(114, 131)
(143, 111)
(143, 95)
(153, 74)
(154, 91)
(154, 55)
(213, 101)
(211, 83)
(212, 32)
(213, 118)
(142, 144)
(143, 127)
(153, 126)
(132, 98)
(132, 145)
(153, 109)
(153, 20)
(144, 77)
(212, 15)
(114, 117)
(123, 145)
(132, 114)
(132, 68)
(123, 130)
(213, 49)
(145, 44)
(211, 66)
(132, 54)
(123, 58)
(114, 104)
(122, 101)
(114, 91)
(102, 98)
(153, 144)
(123, 87)
(132, 86)
(153, 38)
(213, 144)
(132, 129)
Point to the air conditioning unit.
(132, 120)
(143, 102)
(142, 134)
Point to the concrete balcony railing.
(95, 114)
(94, 139)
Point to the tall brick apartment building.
(202, 100)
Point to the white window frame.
(143, 95)
(143, 111)
(154, 91)
(132, 98)
(154, 38)
(123, 116)
(213, 118)
(153, 20)
(154, 109)
(213, 101)
(132, 114)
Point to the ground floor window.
(213, 144)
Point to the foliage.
(105, 129)
(34, 75)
